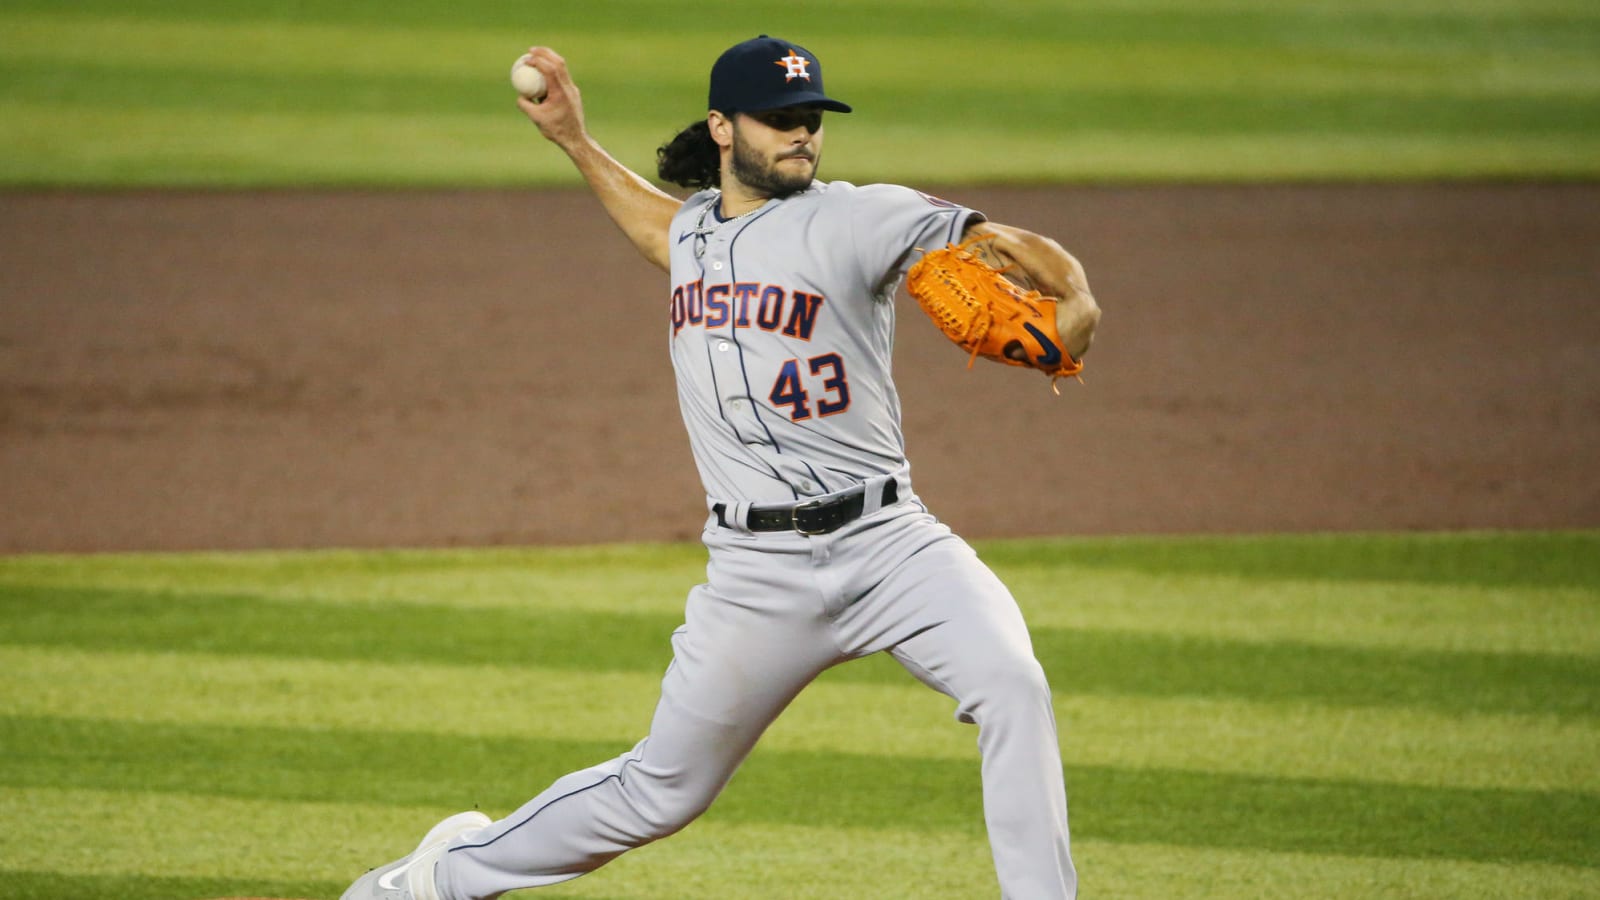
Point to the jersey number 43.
(789, 390)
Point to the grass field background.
(414, 92)
(1295, 716)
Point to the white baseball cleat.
(411, 876)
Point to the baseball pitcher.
(779, 318)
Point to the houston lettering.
(745, 304)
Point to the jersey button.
(717, 265)
(724, 346)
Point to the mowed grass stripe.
(1236, 25)
(43, 144)
(1077, 661)
(1254, 110)
(1557, 561)
(37, 884)
(1518, 592)
(1151, 61)
(1340, 613)
(1151, 85)
(130, 846)
(831, 864)
(1486, 559)
(1336, 613)
(203, 45)
(1129, 870)
(160, 846)
(297, 846)
(1182, 808)
(1108, 91)
(163, 88)
(607, 578)
(46, 145)
(1271, 111)
(900, 720)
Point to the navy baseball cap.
(768, 73)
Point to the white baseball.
(528, 81)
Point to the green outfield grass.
(1294, 716)
(414, 92)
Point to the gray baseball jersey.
(782, 327)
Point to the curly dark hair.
(691, 159)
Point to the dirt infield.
(302, 369)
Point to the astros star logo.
(794, 66)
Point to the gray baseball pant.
(776, 610)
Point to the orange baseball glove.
(984, 312)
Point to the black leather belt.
(812, 516)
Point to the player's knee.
(1020, 684)
(1015, 685)
(668, 808)
(1025, 679)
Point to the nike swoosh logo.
(685, 236)
(1052, 353)
(390, 880)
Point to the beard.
(763, 175)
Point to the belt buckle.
(794, 516)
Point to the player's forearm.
(643, 211)
(1043, 264)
